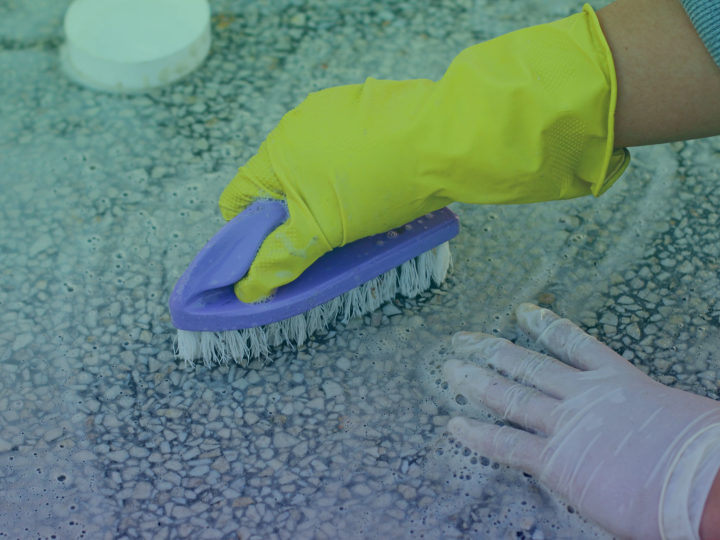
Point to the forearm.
(710, 522)
(668, 84)
(668, 90)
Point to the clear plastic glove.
(636, 456)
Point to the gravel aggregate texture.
(107, 197)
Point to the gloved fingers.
(282, 257)
(520, 404)
(526, 366)
(564, 339)
(503, 444)
(255, 180)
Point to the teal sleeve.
(705, 16)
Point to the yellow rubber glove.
(525, 117)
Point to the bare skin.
(668, 84)
(710, 523)
(668, 90)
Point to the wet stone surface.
(104, 434)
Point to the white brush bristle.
(409, 279)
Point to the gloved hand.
(636, 456)
(522, 118)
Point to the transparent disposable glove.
(634, 455)
(525, 117)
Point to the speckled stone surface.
(106, 198)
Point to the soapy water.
(390, 469)
(398, 473)
(126, 190)
(490, 500)
(439, 488)
(46, 494)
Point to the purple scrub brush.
(213, 325)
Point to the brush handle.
(204, 299)
(227, 256)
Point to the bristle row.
(241, 346)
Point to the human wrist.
(710, 521)
(660, 101)
(687, 489)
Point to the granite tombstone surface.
(106, 198)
